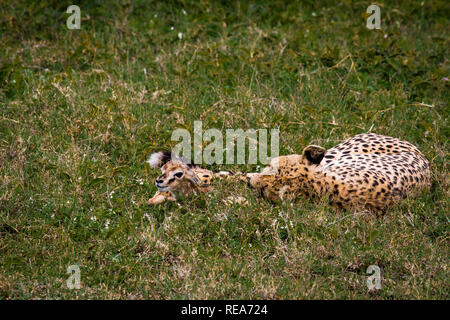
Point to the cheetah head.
(274, 182)
(311, 157)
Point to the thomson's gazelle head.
(177, 175)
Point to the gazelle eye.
(179, 174)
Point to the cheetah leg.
(239, 176)
(251, 179)
(160, 197)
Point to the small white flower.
(180, 35)
(171, 28)
(184, 11)
(107, 224)
(314, 14)
(93, 218)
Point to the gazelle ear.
(158, 159)
(313, 154)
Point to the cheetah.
(179, 179)
(368, 170)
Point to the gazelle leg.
(160, 197)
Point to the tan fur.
(367, 170)
(194, 179)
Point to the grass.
(81, 110)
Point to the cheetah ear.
(313, 154)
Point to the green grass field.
(81, 110)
